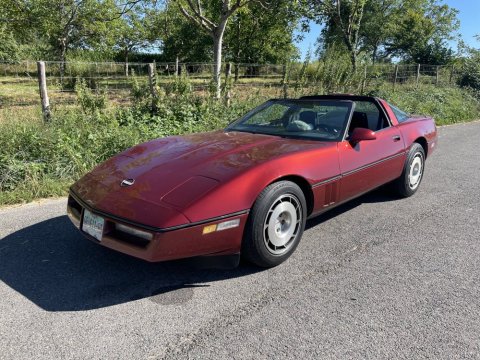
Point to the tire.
(275, 225)
(409, 182)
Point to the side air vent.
(330, 194)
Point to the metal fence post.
(42, 85)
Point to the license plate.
(93, 224)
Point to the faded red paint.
(194, 178)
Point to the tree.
(214, 22)
(180, 39)
(377, 27)
(9, 48)
(254, 34)
(433, 53)
(420, 29)
(260, 35)
(413, 30)
(343, 18)
(469, 64)
(62, 24)
(134, 30)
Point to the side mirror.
(361, 134)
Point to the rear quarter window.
(399, 114)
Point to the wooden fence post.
(237, 72)
(364, 82)
(152, 81)
(42, 85)
(396, 77)
(228, 74)
(436, 75)
(418, 74)
(285, 81)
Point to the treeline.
(240, 31)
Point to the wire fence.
(19, 81)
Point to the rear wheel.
(275, 225)
(408, 183)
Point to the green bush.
(90, 101)
(470, 73)
(181, 85)
(445, 105)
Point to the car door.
(370, 163)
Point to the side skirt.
(322, 211)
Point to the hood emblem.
(127, 182)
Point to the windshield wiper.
(244, 131)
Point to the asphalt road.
(376, 278)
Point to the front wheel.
(407, 184)
(275, 225)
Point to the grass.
(21, 93)
(41, 160)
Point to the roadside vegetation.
(40, 160)
(102, 102)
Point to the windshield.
(309, 119)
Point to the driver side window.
(367, 115)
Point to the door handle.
(396, 138)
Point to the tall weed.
(90, 101)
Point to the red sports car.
(250, 188)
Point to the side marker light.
(222, 226)
(209, 229)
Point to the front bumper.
(179, 242)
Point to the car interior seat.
(359, 120)
(309, 117)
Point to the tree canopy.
(216, 31)
(410, 30)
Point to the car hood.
(170, 173)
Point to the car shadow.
(55, 267)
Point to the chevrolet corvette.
(247, 190)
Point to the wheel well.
(306, 189)
(422, 141)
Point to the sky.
(469, 16)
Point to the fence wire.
(19, 80)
